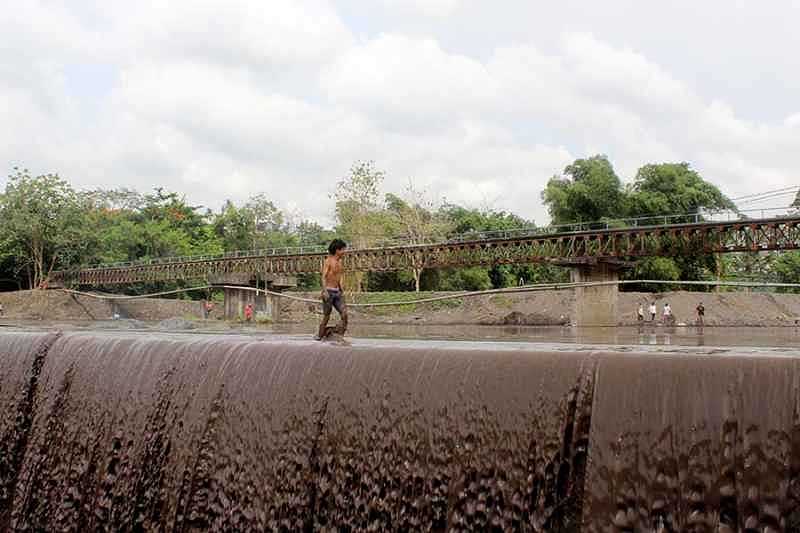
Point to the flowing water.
(127, 431)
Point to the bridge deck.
(525, 246)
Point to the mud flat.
(167, 431)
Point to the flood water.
(261, 430)
(647, 335)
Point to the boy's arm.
(325, 269)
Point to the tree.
(419, 222)
(673, 189)
(590, 190)
(43, 223)
(786, 267)
(360, 216)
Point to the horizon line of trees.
(48, 225)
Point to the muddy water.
(124, 432)
(120, 431)
(695, 444)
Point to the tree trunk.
(417, 276)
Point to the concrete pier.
(239, 292)
(595, 306)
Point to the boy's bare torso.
(332, 273)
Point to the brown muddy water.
(145, 430)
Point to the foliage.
(44, 224)
(64, 228)
(786, 267)
(673, 188)
(657, 268)
(360, 216)
(589, 190)
(418, 222)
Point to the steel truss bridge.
(511, 247)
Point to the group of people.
(666, 314)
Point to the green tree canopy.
(44, 224)
(589, 190)
(673, 188)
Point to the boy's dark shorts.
(334, 301)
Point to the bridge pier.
(595, 306)
(239, 292)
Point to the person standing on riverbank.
(667, 314)
(332, 293)
(652, 312)
(701, 314)
(640, 313)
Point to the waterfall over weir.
(132, 432)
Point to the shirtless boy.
(332, 294)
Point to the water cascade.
(131, 432)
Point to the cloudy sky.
(478, 102)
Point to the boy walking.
(332, 293)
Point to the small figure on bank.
(1, 310)
(667, 314)
(248, 312)
(640, 313)
(701, 314)
(653, 312)
(332, 293)
(208, 306)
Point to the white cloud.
(408, 80)
(281, 97)
(430, 8)
(793, 120)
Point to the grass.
(388, 297)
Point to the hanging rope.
(443, 297)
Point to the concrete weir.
(124, 432)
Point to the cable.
(794, 187)
(466, 294)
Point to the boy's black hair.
(336, 244)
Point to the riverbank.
(549, 308)
(543, 308)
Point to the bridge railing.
(514, 233)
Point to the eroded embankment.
(180, 433)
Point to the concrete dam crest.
(132, 432)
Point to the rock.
(516, 318)
(175, 324)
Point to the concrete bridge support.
(239, 292)
(595, 306)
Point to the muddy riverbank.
(545, 308)
(548, 308)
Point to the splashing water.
(126, 432)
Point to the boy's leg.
(326, 316)
(341, 307)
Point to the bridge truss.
(583, 247)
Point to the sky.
(475, 102)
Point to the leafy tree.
(657, 268)
(786, 267)
(44, 224)
(589, 190)
(419, 222)
(673, 189)
(360, 214)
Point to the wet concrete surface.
(141, 430)
(646, 335)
